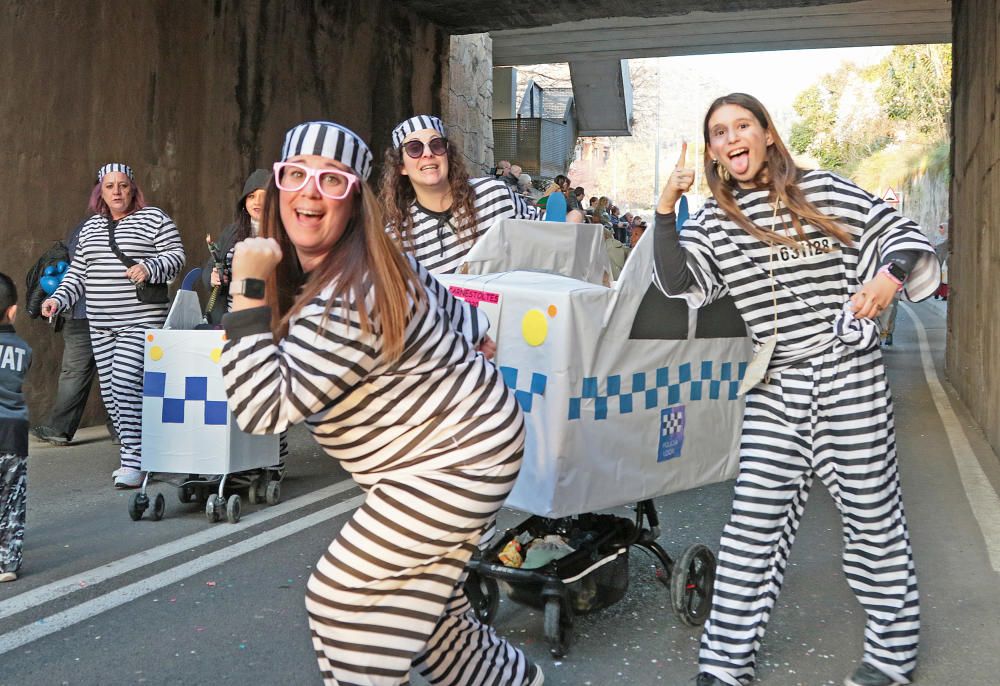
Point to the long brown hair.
(779, 173)
(363, 257)
(396, 195)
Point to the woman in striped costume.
(246, 223)
(383, 365)
(810, 260)
(434, 210)
(148, 239)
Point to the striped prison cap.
(115, 167)
(417, 123)
(331, 140)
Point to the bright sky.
(775, 78)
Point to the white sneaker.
(534, 677)
(114, 474)
(129, 478)
(8, 576)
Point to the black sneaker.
(44, 433)
(706, 679)
(866, 675)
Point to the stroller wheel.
(691, 584)
(159, 505)
(558, 626)
(137, 504)
(483, 593)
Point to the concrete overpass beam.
(603, 94)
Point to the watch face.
(253, 288)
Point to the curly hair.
(397, 196)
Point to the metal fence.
(543, 147)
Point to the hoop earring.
(722, 171)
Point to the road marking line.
(979, 492)
(119, 596)
(77, 582)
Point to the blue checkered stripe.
(665, 386)
(214, 412)
(536, 386)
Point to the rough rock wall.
(194, 95)
(469, 112)
(925, 199)
(973, 356)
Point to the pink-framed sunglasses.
(332, 183)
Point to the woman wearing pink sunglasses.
(333, 326)
(435, 211)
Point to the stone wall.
(973, 356)
(469, 105)
(194, 95)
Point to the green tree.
(915, 88)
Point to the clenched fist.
(255, 258)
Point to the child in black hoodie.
(15, 358)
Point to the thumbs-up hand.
(680, 181)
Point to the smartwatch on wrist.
(896, 271)
(248, 288)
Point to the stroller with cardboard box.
(627, 395)
(188, 431)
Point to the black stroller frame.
(592, 577)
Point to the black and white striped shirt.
(150, 238)
(811, 283)
(441, 405)
(434, 241)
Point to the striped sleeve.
(886, 231)
(169, 259)
(696, 242)
(522, 210)
(468, 320)
(322, 359)
(71, 287)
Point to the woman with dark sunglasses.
(332, 326)
(434, 210)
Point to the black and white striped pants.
(387, 596)
(831, 418)
(119, 357)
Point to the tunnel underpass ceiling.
(478, 16)
(575, 30)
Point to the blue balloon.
(50, 270)
(49, 284)
(61, 266)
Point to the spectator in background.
(510, 178)
(576, 217)
(502, 169)
(76, 374)
(635, 233)
(576, 199)
(524, 186)
(601, 211)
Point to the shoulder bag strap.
(125, 259)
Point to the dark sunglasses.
(415, 148)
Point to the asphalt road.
(104, 600)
